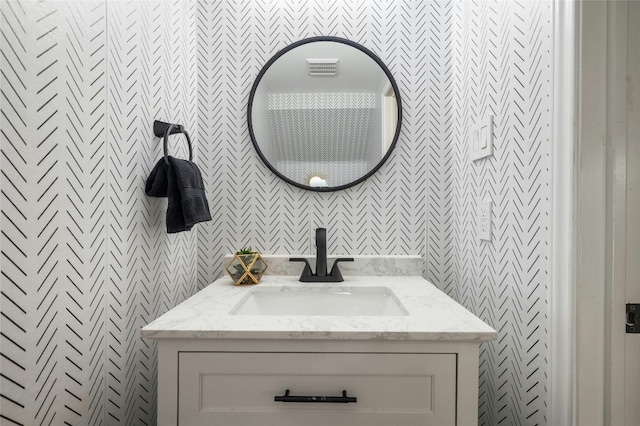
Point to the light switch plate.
(484, 220)
(481, 139)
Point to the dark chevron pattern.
(266, 213)
(453, 61)
(502, 62)
(235, 39)
(151, 49)
(53, 162)
(437, 65)
(85, 259)
(17, 126)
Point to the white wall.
(453, 61)
(385, 213)
(502, 66)
(86, 260)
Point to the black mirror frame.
(337, 40)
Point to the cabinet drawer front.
(224, 388)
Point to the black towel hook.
(163, 130)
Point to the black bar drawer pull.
(344, 399)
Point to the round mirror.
(324, 113)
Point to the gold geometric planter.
(246, 268)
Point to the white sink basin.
(320, 300)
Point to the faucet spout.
(321, 276)
(321, 252)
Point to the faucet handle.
(335, 271)
(306, 272)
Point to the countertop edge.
(466, 337)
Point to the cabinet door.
(224, 388)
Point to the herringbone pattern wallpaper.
(385, 214)
(86, 261)
(454, 62)
(502, 67)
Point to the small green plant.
(245, 250)
(246, 260)
(248, 253)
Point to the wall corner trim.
(563, 286)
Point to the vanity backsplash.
(405, 265)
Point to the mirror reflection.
(324, 113)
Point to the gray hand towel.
(181, 182)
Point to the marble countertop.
(432, 316)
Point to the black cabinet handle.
(344, 399)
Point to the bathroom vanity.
(367, 351)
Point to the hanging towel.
(181, 182)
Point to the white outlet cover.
(481, 140)
(484, 220)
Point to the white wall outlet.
(481, 139)
(484, 220)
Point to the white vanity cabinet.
(236, 382)
(416, 370)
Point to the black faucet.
(321, 276)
